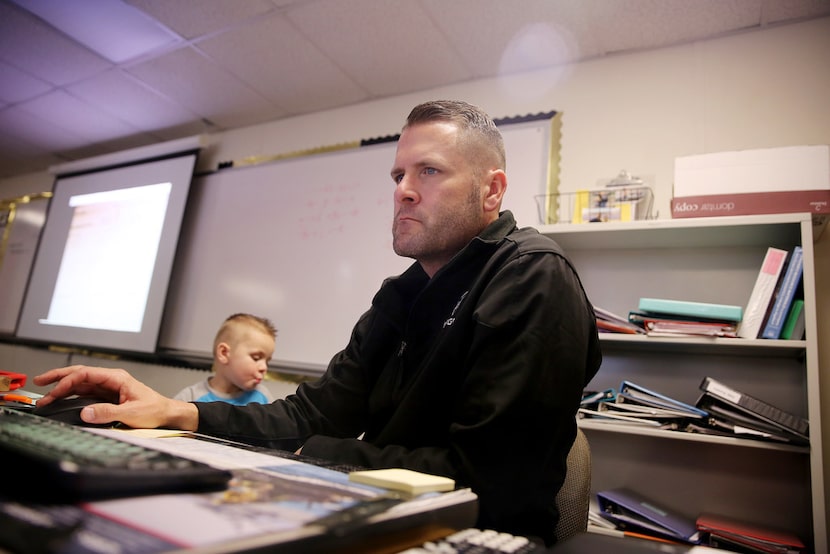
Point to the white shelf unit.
(706, 260)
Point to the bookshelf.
(707, 260)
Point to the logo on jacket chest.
(450, 320)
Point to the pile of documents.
(661, 317)
(637, 405)
(719, 410)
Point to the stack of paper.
(406, 480)
(671, 318)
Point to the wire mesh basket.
(596, 206)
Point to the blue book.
(721, 312)
(785, 295)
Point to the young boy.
(241, 350)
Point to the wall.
(636, 111)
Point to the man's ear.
(222, 352)
(496, 187)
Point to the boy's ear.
(222, 352)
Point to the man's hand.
(123, 398)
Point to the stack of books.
(775, 309)
(660, 317)
(636, 405)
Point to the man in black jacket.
(470, 364)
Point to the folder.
(637, 394)
(632, 511)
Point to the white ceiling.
(178, 68)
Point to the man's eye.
(430, 170)
(397, 178)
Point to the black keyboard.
(477, 541)
(61, 462)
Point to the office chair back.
(574, 497)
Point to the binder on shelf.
(734, 422)
(784, 296)
(637, 394)
(756, 408)
(723, 312)
(794, 326)
(590, 398)
(608, 417)
(721, 531)
(630, 510)
(639, 410)
(762, 293)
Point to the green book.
(796, 311)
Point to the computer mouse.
(68, 410)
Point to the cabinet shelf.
(693, 437)
(704, 345)
(713, 260)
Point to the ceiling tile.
(17, 85)
(497, 38)
(67, 112)
(667, 22)
(188, 78)
(194, 18)
(42, 134)
(124, 97)
(28, 43)
(113, 29)
(776, 11)
(360, 35)
(283, 66)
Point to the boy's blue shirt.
(244, 398)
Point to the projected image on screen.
(104, 276)
(105, 257)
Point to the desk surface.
(271, 500)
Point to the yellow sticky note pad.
(406, 480)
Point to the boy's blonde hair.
(233, 323)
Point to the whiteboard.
(306, 242)
(20, 229)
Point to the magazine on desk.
(270, 500)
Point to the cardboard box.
(747, 182)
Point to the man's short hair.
(476, 126)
